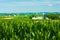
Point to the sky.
(17, 6)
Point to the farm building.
(40, 17)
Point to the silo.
(44, 15)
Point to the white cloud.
(50, 5)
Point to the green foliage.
(20, 29)
(54, 16)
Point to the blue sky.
(17, 6)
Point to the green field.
(23, 28)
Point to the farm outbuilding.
(40, 17)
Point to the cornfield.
(30, 30)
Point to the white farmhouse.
(35, 18)
(39, 18)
